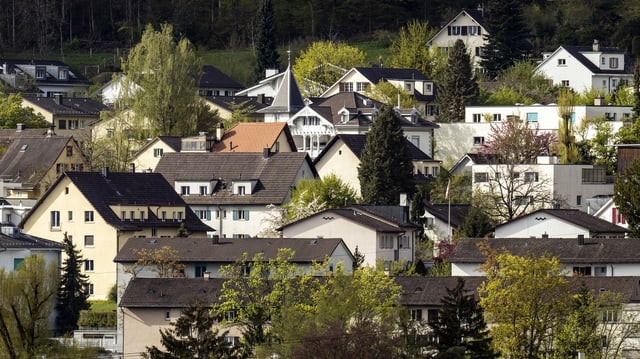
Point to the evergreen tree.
(626, 195)
(476, 224)
(506, 30)
(266, 47)
(460, 324)
(72, 295)
(385, 168)
(459, 87)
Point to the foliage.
(458, 88)
(505, 96)
(521, 84)
(385, 169)
(322, 63)
(161, 78)
(409, 51)
(319, 194)
(12, 113)
(579, 333)
(113, 149)
(526, 298)
(266, 39)
(476, 224)
(589, 96)
(27, 298)
(617, 325)
(113, 294)
(163, 261)
(95, 319)
(506, 30)
(72, 293)
(240, 112)
(598, 149)
(626, 196)
(513, 141)
(459, 188)
(192, 336)
(388, 93)
(566, 139)
(460, 323)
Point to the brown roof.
(253, 137)
(170, 292)
(567, 250)
(275, 174)
(228, 251)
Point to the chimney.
(545, 235)
(219, 131)
(596, 45)
(215, 239)
(580, 239)
(50, 131)
(105, 172)
(132, 167)
(266, 152)
(57, 98)
(206, 275)
(20, 127)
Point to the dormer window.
(41, 72)
(241, 190)
(63, 74)
(428, 88)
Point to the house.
(248, 105)
(101, 211)
(267, 87)
(214, 82)
(30, 165)
(610, 257)
(147, 157)
(43, 78)
(465, 163)
(609, 212)
(412, 80)
(286, 102)
(255, 137)
(233, 192)
(583, 68)
(545, 183)
(559, 223)
(380, 233)
(468, 26)
(15, 246)
(12, 211)
(342, 156)
(441, 221)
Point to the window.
(562, 62)
(404, 242)
(157, 152)
(408, 87)
(473, 30)
(428, 87)
(88, 216)
(478, 140)
(386, 241)
(41, 72)
(416, 141)
(62, 124)
(577, 270)
(416, 315)
(610, 316)
(55, 219)
(77, 167)
(432, 315)
(154, 232)
(62, 74)
(346, 87)
(163, 215)
(70, 216)
(123, 215)
(532, 116)
(361, 86)
(89, 288)
(578, 200)
(230, 315)
(240, 215)
(477, 117)
(69, 151)
(184, 190)
(435, 171)
(497, 117)
(531, 177)
(565, 83)
(600, 271)
(241, 190)
(523, 200)
(142, 215)
(311, 121)
(203, 190)
(481, 177)
(167, 315)
(132, 215)
(603, 60)
(88, 241)
(200, 269)
(17, 262)
(454, 30)
(594, 175)
(73, 124)
(88, 265)
(203, 214)
(613, 62)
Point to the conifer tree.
(385, 168)
(506, 30)
(459, 87)
(460, 324)
(266, 47)
(72, 293)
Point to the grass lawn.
(102, 306)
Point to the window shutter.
(614, 217)
(235, 214)
(479, 30)
(449, 30)
(208, 215)
(246, 215)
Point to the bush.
(113, 293)
(97, 319)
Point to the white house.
(15, 246)
(43, 78)
(609, 212)
(587, 67)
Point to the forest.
(44, 27)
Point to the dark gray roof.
(22, 240)
(129, 188)
(375, 74)
(230, 103)
(275, 174)
(288, 98)
(577, 53)
(567, 250)
(228, 251)
(356, 145)
(212, 77)
(69, 106)
(170, 292)
(175, 142)
(73, 78)
(594, 224)
(441, 211)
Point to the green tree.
(160, 83)
(580, 332)
(114, 148)
(387, 93)
(566, 139)
(72, 294)
(266, 46)
(27, 297)
(12, 113)
(521, 84)
(193, 336)
(459, 188)
(636, 89)
(385, 169)
(458, 88)
(626, 195)
(598, 149)
(506, 36)
(461, 323)
(476, 224)
(322, 63)
(525, 298)
(314, 195)
(409, 51)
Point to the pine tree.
(266, 47)
(72, 295)
(460, 324)
(459, 87)
(506, 30)
(385, 168)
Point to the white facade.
(610, 213)
(310, 131)
(462, 27)
(11, 257)
(342, 162)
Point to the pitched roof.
(375, 74)
(567, 250)
(356, 144)
(230, 103)
(25, 241)
(170, 292)
(578, 53)
(228, 251)
(275, 174)
(288, 98)
(475, 15)
(253, 137)
(27, 159)
(457, 212)
(68, 106)
(129, 188)
(594, 224)
(73, 78)
(213, 77)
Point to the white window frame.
(88, 216)
(55, 219)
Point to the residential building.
(255, 137)
(441, 221)
(380, 233)
(559, 223)
(147, 157)
(287, 100)
(267, 87)
(15, 246)
(43, 78)
(342, 154)
(226, 106)
(468, 26)
(583, 68)
(233, 192)
(214, 82)
(609, 212)
(101, 211)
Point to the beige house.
(100, 211)
(147, 157)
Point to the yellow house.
(100, 211)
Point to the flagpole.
(446, 195)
